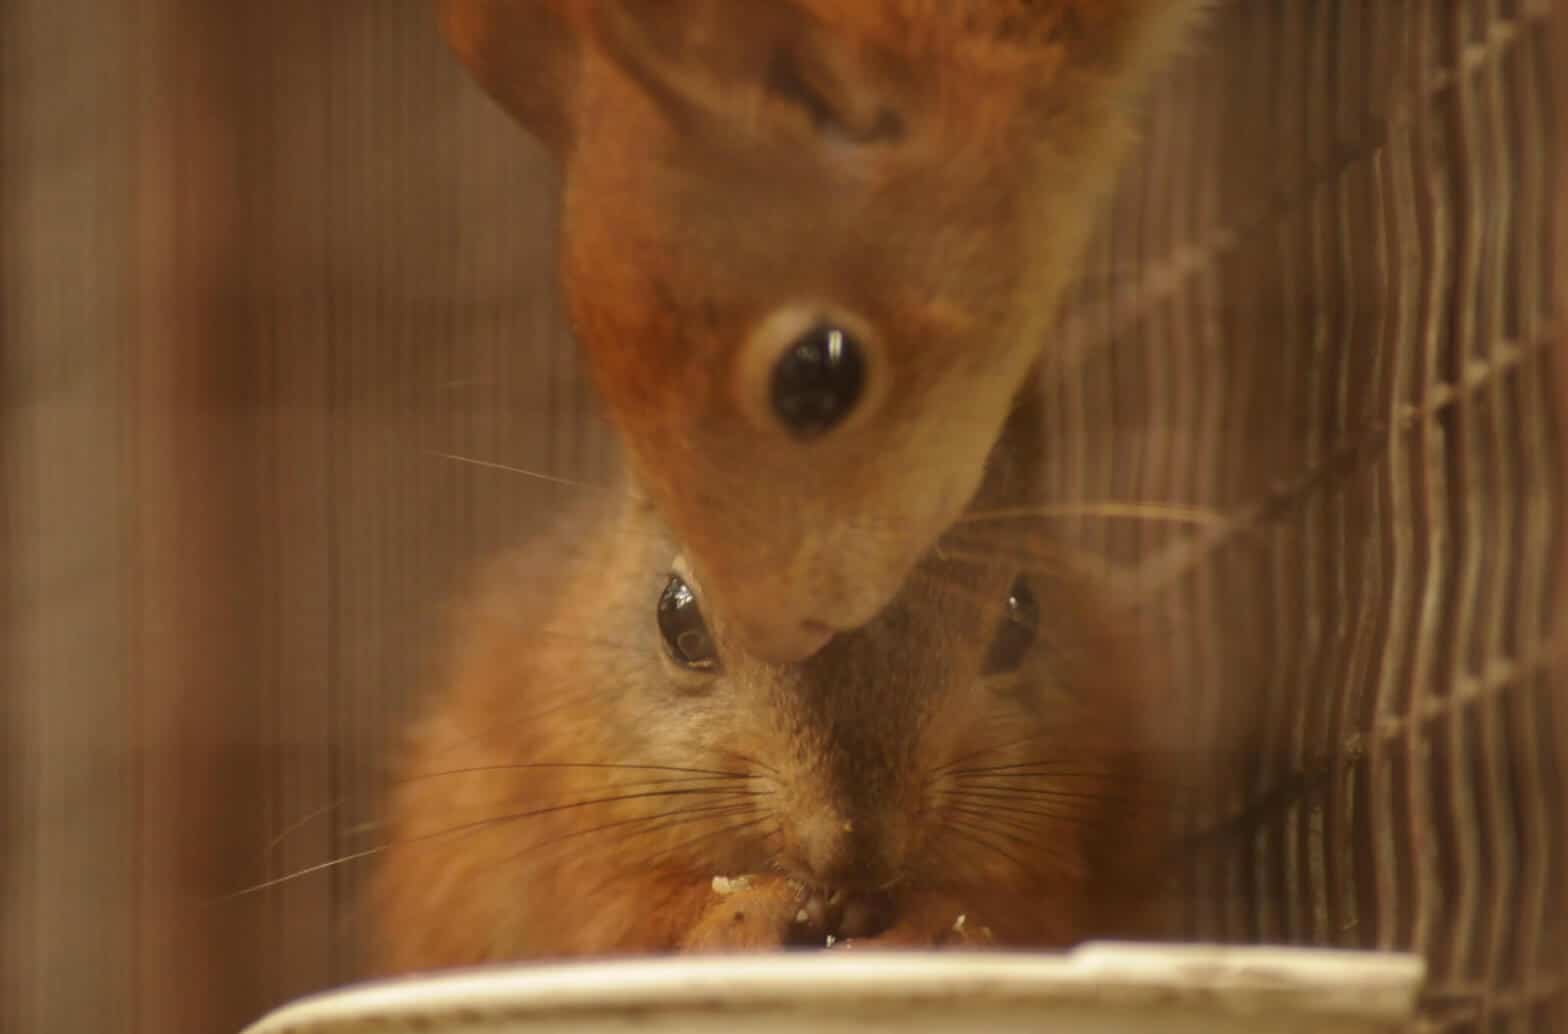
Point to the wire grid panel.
(1338, 340)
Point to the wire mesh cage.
(1342, 337)
(286, 412)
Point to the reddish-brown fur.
(931, 186)
(572, 791)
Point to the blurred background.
(278, 334)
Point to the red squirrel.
(605, 770)
(811, 249)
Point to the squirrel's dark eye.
(684, 629)
(818, 381)
(1015, 635)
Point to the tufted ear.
(748, 62)
(524, 53)
(850, 71)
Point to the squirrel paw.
(756, 913)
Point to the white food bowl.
(1096, 989)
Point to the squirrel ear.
(524, 54)
(707, 59)
(1123, 36)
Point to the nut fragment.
(724, 886)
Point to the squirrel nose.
(846, 855)
(783, 643)
(789, 622)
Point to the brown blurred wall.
(249, 305)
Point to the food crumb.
(958, 924)
(831, 939)
(724, 885)
(801, 916)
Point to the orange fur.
(934, 182)
(572, 791)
